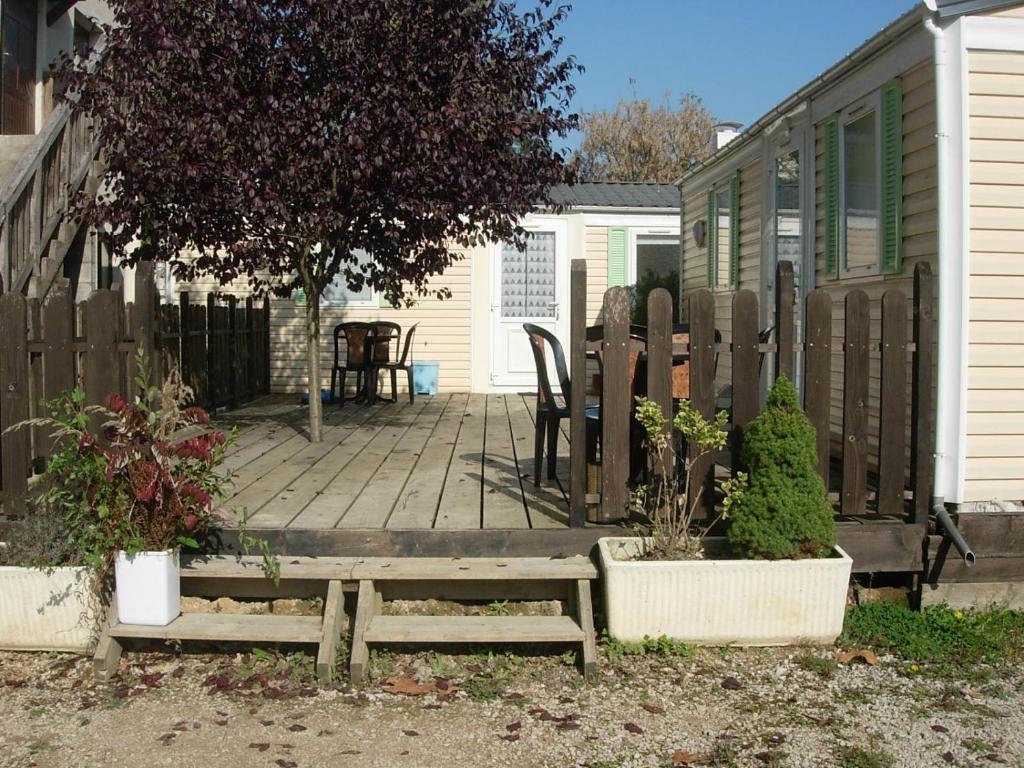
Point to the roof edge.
(851, 61)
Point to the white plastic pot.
(42, 610)
(723, 602)
(148, 588)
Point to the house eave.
(901, 26)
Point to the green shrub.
(785, 512)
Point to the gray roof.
(616, 194)
(959, 7)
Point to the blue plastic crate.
(325, 397)
(424, 378)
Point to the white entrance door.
(528, 287)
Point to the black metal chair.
(404, 363)
(549, 411)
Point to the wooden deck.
(453, 462)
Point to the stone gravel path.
(779, 707)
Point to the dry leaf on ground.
(868, 657)
(682, 757)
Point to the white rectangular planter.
(148, 588)
(47, 611)
(723, 602)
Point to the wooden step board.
(227, 576)
(324, 631)
(573, 574)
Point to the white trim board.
(659, 220)
(992, 33)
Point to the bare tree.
(638, 141)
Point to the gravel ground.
(779, 707)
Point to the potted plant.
(132, 492)
(47, 602)
(777, 577)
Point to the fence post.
(745, 374)
(14, 402)
(784, 294)
(892, 419)
(212, 343)
(615, 406)
(818, 373)
(266, 345)
(855, 403)
(58, 358)
(578, 393)
(232, 374)
(251, 368)
(185, 360)
(659, 366)
(100, 367)
(921, 403)
(143, 329)
(702, 394)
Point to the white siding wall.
(994, 466)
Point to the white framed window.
(722, 233)
(338, 294)
(654, 251)
(860, 188)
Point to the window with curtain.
(528, 277)
(338, 294)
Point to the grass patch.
(822, 666)
(941, 640)
(662, 646)
(862, 757)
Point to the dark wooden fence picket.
(871, 482)
(48, 347)
(702, 396)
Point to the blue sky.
(742, 57)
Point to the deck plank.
(460, 506)
(503, 505)
(373, 507)
(330, 507)
(291, 505)
(547, 505)
(270, 487)
(421, 497)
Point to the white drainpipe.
(951, 310)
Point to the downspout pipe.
(948, 300)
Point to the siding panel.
(994, 467)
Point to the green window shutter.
(299, 297)
(382, 301)
(832, 198)
(711, 237)
(617, 239)
(892, 176)
(734, 231)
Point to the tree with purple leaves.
(271, 140)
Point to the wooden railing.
(34, 201)
(879, 481)
(48, 347)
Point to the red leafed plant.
(124, 479)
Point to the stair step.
(474, 568)
(473, 629)
(229, 627)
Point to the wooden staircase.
(373, 580)
(35, 230)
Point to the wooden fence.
(48, 347)
(900, 487)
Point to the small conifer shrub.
(785, 512)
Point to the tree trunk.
(313, 360)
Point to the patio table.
(372, 364)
